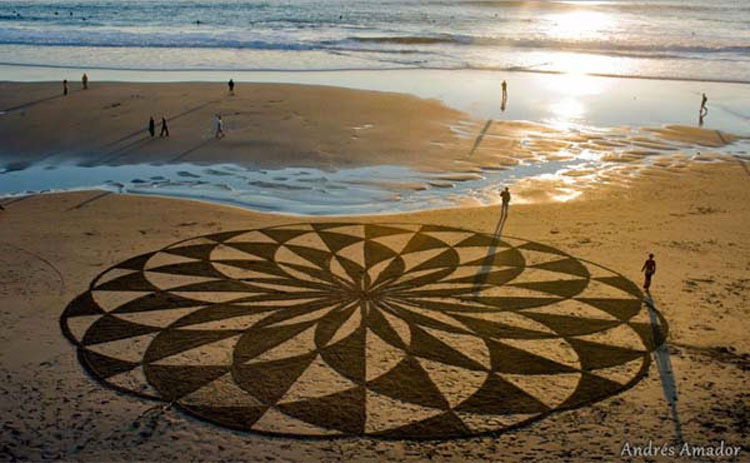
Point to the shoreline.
(569, 100)
(514, 69)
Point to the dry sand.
(694, 216)
(695, 221)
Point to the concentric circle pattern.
(398, 331)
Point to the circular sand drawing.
(397, 331)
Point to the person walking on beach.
(231, 86)
(649, 267)
(219, 127)
(164, 127)
(65, 87)
(505, 196)
(85, 81)
(151, 126)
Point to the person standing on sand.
(151, 126)
(65, 87)
(85, 81)
(219, 127)
(649, 267)
(164, 128)
(505, 196)
(231, 86)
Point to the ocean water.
(682, 39)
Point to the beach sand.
(267, 125)
(272, 126)
(692, 215)
(695, 221)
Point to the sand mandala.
(395, 331)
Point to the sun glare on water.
(579, 32)
(586, 27)
(581, 24)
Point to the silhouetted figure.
(219, 127)
(704, 109)
(164, 128)
(151, 126)
(231, 86)
(85, 81)
(65, 86)
(504, 100)
(505, 196)
(649, 268)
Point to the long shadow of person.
(664, 365)
(482, 275)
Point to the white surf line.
(661, 354)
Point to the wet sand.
(275, 126)
(266, 125)
(695, 219)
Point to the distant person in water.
(65, 86)
(703, 111)
(649, 268)
(151, 126)
(85, 81)
(164, 128)
(504, 100)
(231, 86)
(219, 127)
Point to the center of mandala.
(364, 292)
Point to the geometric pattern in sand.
(339, 329)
